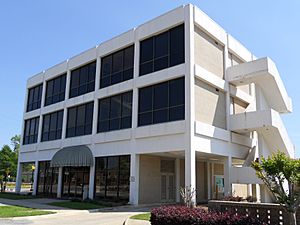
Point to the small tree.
(276, 171)
(6, 165)
(187, 195)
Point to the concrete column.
(95, 117)
(258, 195)
(59, 183)
(35, 179)
(208, 180)
(92, 180)
(249, 189)
(19, 178)
(227, 178)
(134, 179)
(177, 175)
(190, 171)
(64, 125)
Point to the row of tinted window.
(157, 104)
(115, 112)
(162, 102)
(162, 51)
(156, 53)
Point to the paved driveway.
(106, 216)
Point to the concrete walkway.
(103, 216)
(136, 222)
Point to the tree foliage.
(9, 161)
(281, 175)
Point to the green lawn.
(77, 205)
(144, 216)
(14, 196)
(17, 211)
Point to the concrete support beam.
(19, 178)
(208, 180)
(92, 180)
(134, 179)
(177, 175)
(59, 182)
(35, 178)
(227, 178)
(190, 171)
(249, 189)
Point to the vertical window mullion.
(169, 48)
(118, 185)
(153, 53)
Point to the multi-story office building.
(174, 102)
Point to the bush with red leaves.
(181, 215)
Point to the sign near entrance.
(132, 179)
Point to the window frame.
(61, 92)
(58, 128)
(87, 121)
(121, 116)
(81, 88)
(149, 113)
(122, 72)
(31, 102)
(27, 136)
(153, 61)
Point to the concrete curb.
(126, 221)
(129, 221)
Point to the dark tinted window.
(117, 67)
(80, 120)
(55, 90)
(161, 102)
(31, 130)
(83, 80)
(34, 98)
(52, 126)
(162, 51)
(112, 177)
(115, 112)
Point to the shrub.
(251, 199)
(233, 198)
(180, 215)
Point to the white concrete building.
(174, 102)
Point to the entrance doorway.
(167, 171)
(74, 180)
(167, 187)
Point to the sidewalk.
(103, 216)
(38, 203)
(136, 222)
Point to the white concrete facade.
(190, 140)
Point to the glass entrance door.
(74, 180)
(167, 187)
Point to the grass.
(77, 205)
(14, 196)
(17, 211)
(13, 185)
(144, 216)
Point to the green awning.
(73, 156)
